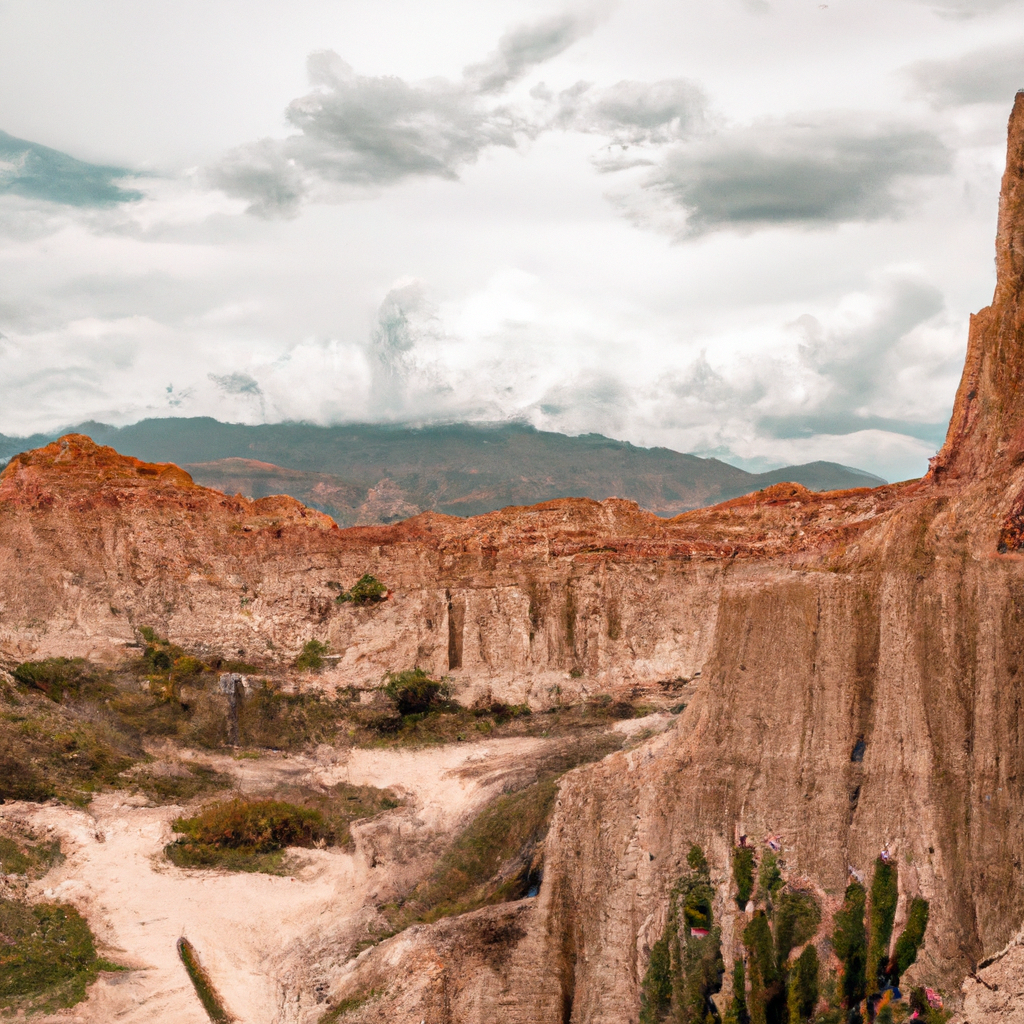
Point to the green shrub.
(908, 944)
(367, 590)
(312, 656)
(285, 721)
(701, 969)
(697, 896)
(743, 874)
(245, 835)
(413, 691)
(757, 937)
(54, 676)
(23, 854)
(884, 894)
(850, 944)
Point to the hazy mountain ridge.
(374, 473)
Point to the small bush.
(739, 993)
(23, 854)
(743, 874)
(413, 691)
(245, 835)
(284, 721)
(769, 878)
(312, 656)
(54, 676)
(251, 835)
(367, 590)
(656, 988)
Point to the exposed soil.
(248, 927)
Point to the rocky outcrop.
(860, 658)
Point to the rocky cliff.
(860, 658)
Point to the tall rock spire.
(987, 424)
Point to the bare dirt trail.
(246, 927)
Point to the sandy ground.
(250, 929)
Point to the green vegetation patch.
(47, 956)
(367, 590)
(311, 658)
(54, 676)
(251, 835)
(492, 861)
(348, 1005)
(22, 853)
(201, 982)
(743, 874)
(53, 750)
(187, 783)
(685, 967)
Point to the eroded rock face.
(886, 623)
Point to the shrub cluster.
(47, 956)
(367, 590)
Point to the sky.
(753, 229)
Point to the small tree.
(769, 878)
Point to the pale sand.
(250, 929)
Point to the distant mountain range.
(372, 473)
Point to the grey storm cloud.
(38, 172)
(634, 113)
(358, 131)
(819, 171)
(991, 75)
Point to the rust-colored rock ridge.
(853, 663)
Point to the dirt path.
(242, 924)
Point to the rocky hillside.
(365, 474)
(853, 667)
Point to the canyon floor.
(253, 930)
